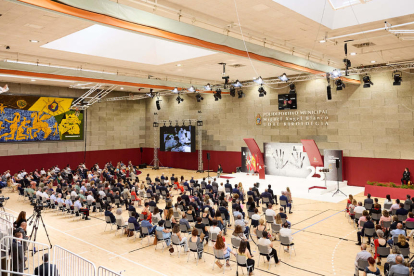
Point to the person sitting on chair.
(368, 224)
(109, 214)
(219, 171)
(264, 240)
(399, 268)
(406, 176)
(243, 251)
(287, 233)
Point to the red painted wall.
(357, 170)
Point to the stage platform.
(299, 187)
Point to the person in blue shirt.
(192, 180)
(133, 219)
(146, 223)
(284, 197)
(237, 191)
(166, 233)
(402, 211)
(109, 214)
(131, 207)
(266, 194)
(188, 187)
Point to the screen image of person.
(178, 141)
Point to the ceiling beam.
(127, 18)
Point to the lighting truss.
(92, 96)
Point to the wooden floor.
(324, 242)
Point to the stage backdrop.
(34, 118)
(286, 159)
(248, 161)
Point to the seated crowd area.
(388, 230)
(195, 214)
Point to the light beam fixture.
(240, 94)
(217, 95)
(339, 84)
(175, 90)
(237, 84)
(207, 87)
(367, 81)
(292, 88)
(258, 80)
(199, 97)
(191, 89)
(232, 91)
(397, 75)
(262, 92)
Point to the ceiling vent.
(363, 45)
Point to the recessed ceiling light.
(373, 61)
(122, 88)
(353, 54)
(32, 80)
(322, 41)
(34, 41)
(179, 65)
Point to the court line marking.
(83, 227)
(317, 222)
(103, 249)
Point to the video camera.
(2, 200)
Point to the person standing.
(406, 176)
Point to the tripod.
(36, 218)
(337, 179)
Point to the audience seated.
(265, 241)
(243, 251)
(362, 255)
(379, 242)
(371, 269)
(398, 268)
(220, 245)
(367, 225)
(287, 233)
(396, 232)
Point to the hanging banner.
(33, 119)
(330, 157)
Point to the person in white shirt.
(45, 194)
(256, 215)
(85, 211)
(264, 240)
(214, 228)
(73, 193)
(42, 171)
(102, 193)
(396, 205)
(287, 233)
(270, 211)
(359, 209)
(39, 193)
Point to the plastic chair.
(131, 227)
(369, 232)
(192, 246)
(145, 233)
(383, 252)
(285, 241)
(119, 226)
(242, 262)
(405, 252)
(387, 206)
(276, 228)
(183, 229)
(264, 251)
(368, 206)
(362, 264)
(235, 242)
(177, 243)
(219, 255)
(160, 239)
(402, 218)
(108, 221)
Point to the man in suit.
(368, 200)
(228, 186)
(215, 184)
(17, 254)
(109, 214)
(203, 183)
(408, 201)
(266, 194)
(131, 208)
(269, 189)
(402, 211)
(284, 197)
(255, 190)
(46, 268)
(368, 224)
(148, 178)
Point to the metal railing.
(7, 216)
(70, 264)
(23, 257)
(102, 271)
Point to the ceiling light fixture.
(217, 95)
(339, 84)
(262, 92)
(32, 80)
(191, 89)
(322, 41)
(150, 94)
(336, 73)
(258, 80)
(178, 65)
(397, 75)
(122, 88)
(373, 61)
(353, 54)
(237, 84)
(34, 41)
(175, 90)
(283, 77)
(367, 81)
(207, 87)
(241, 94)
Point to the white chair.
(120, 226)
(242, 262)
(131, 227)
(219, 255)
(285, 241)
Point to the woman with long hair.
(349, 202)
(178, 185)
(170, 217)
(220, 245)
(21, 218)
(249, 259)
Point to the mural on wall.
(33, 118)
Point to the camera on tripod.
(2, 200)
(38, 208)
